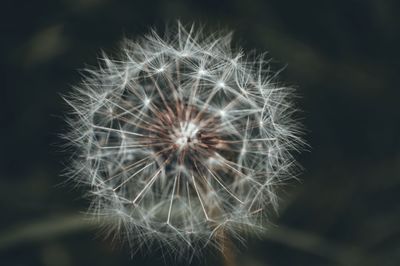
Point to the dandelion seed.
(173, 153)
(221, 84)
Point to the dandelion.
(182, 140)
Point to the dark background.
(342, 56)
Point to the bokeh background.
(343, 58)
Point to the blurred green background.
(343, 56)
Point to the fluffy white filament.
(181, 138)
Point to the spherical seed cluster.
(181, 139)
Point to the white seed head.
(181, 138)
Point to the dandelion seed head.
(181, 138)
